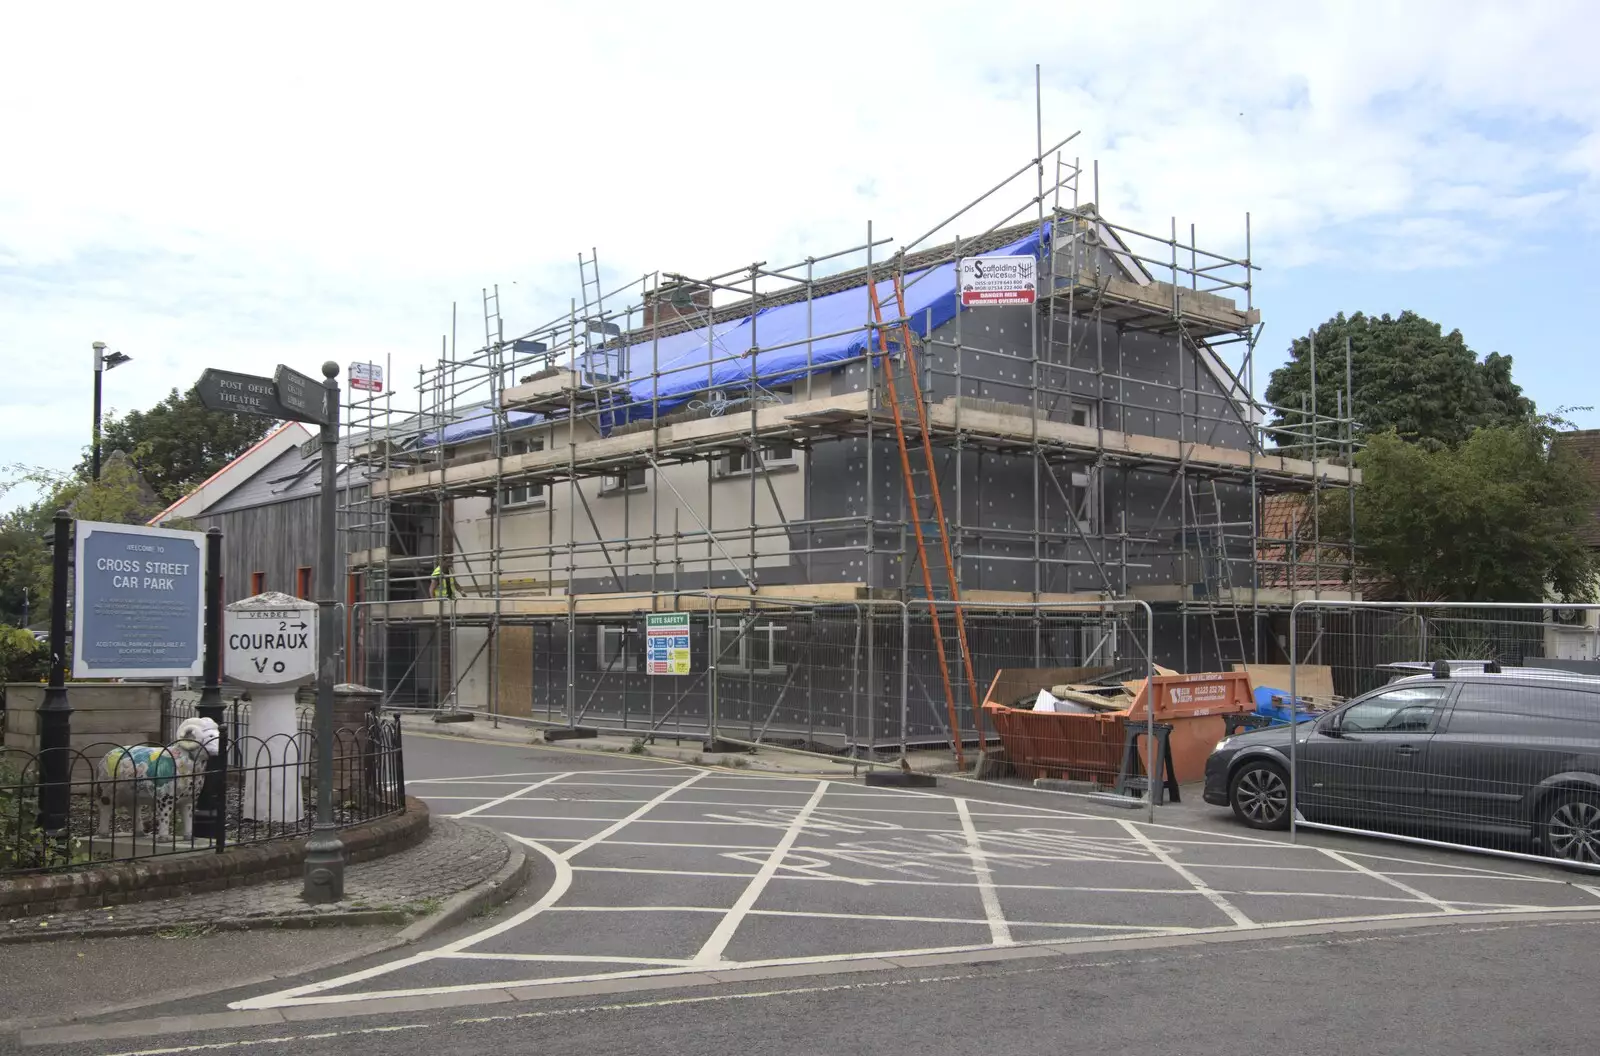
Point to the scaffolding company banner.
(138, 603)
(666, 643)
(998, 280)
(367, 376)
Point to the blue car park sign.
(139, 602)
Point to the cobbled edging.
(187, 874)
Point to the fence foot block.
(900, 779)
(1051, 784)
(454, 716)
(571, 733)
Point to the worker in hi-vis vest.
(441, 584)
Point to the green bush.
(23, 845)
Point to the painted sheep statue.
(167, 777)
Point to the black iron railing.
(137, 801)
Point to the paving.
(455, 856)
(666, 870)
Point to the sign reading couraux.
(138, 602)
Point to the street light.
(102, 363)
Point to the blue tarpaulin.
(794, 340)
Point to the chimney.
(677, 300)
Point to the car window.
(1526, 711)
(1413, 709)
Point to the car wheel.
(1570, 829)
(1259, 793)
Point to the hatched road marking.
(874, 874)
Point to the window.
(302, 582)
(1080, 498)
(773, 456)
(523, 494)
(617, 648)
(755, 648)
(1082, 414)
(1414, 709)
(258, 583)
(1509, 711)
(628, 480)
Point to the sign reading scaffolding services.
(367, 376)
(666, 643)
(138, 602)
(998, 280)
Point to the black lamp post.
(102, 363)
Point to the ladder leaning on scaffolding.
(902, 325)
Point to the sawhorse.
(1131, 778)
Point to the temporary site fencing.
(864, 679)
(147, 801)
(1509, 762)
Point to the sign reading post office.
(138, 602)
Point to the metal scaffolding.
(571, 471)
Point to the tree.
(177, 444)
(1496, 518)
(120, 496)
(1408, 376)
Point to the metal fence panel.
(1449, 724)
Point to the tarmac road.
(1506, 988)
(685, 910)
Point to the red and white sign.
(998, 280)
(367, 376)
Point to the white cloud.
(218, 185)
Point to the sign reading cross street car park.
(138, 602)
(270, 640)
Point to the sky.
(244, 185)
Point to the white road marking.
(564, 958)
(1419, 895)
(999, 932)
(1160, 957)
(505, 779)
(786, 861)
(1238, 918)
(717, 944)
(622, 823)
(301, 994)
(512, 795)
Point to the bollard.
(270, 645)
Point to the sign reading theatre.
(138, 602)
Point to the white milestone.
(269, 644)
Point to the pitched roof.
(1583, 445)
(222, 483)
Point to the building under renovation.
(870, 479)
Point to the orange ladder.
(912, 505)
